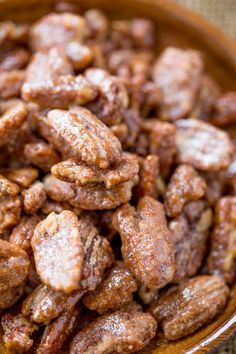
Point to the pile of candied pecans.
(117, 186)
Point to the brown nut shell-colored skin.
(221, 259)
(11, 83)
(190, 232)
(161, 142)
(120, 332)
(57, 332)
(14, 59)
(190, 305)
(185, 185)
(17, 332)
(148, 176)
(23, 232)
(14, 265)
(7, 188)
(11, 122)
(177, 73)
(58, 251)
(81, 174)
(224, 110)
(10, 296)
(33, 198)
(87, 136)
(146, 242)
(202, 145)
(101, 198)
(114, 291)
(42, 155)
(10, 210)
(58, 190)
(22, 176)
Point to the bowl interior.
(179, 27)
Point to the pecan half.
(33, 197)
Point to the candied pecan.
(57, 332)
(101, 198)
(112, 96)
(221, 259)
(177, 73)
(185, 186)
(215, 185)
(162, 142)
(7, 104)
(14, 59)
(58, 190)
(81, 174)
(136, 329)
(33, 197)
(58, 251)
(7, 188)
(133, 122)
(114, 291)
(190, 231)
(10, 296)
(121, 132)
(146, 242)
(148, 176)
(10, 210)
(104, 224)
(17, 332)
(80, 55)
(14, 265)
(23, 232)
(142, 32)
(41, 154)
(87, 136)
(11, 83)
(142, 145)
(203, 146)
(11, 34)
(22, 176)
(147, 295)
(97, 22)
(224, 110)
(65, 6)
(190, 305)
(11, 121)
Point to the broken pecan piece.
(58, 190)
(22, 176)
(33, 198)
(148, 177)
(7, 188)
(10, 210)
(224, 110)
(41, 154)
(10, 296)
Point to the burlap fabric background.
(223, 14)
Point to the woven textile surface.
(223, 14)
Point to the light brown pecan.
(57, 332)
(190, 305)
(203, 146)
(41, 154)
(177, 73)
(87, 136)
(80, 55)
(11, 83)
(190, 231)
(33, 197)
(112, 96)
(10, 296)
(22, 176)
(14, 265)
(148, 177)
(221, 259)
(14, 59)
(50, 206)
(7, 188)
(146, 242)
(215, 185)
(136, 329)
(10, 210)
(62, 270)
(81, 174)
(97, 22)
(114, 291)
(17, 332)
(58, 190)
(185, 186)
(162, 142)
(11, 122)
(121, 131)
(224, 110)
(12, 33)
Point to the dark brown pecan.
(33, 197)
(7, 188)
(190, 231)
(10, 296)
(185, 186)
(41, 154)
(162, 142)
(11, 83)
(87, 136)
(221, 260)
(224, 110)
(114, 292)
(146, 242)
(136, 329)
(11, 122)
(112, 96)
(81, 174)
(57, 332)
(58, 251)
(14, 59)
(58, 190)
(10, 210)
(17, 332)
(23, 232)
(177, 73)
(14, 265)
(190, 305)
(203, 146)
(148, 177)
(22, 176)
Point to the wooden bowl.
(175, 26)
